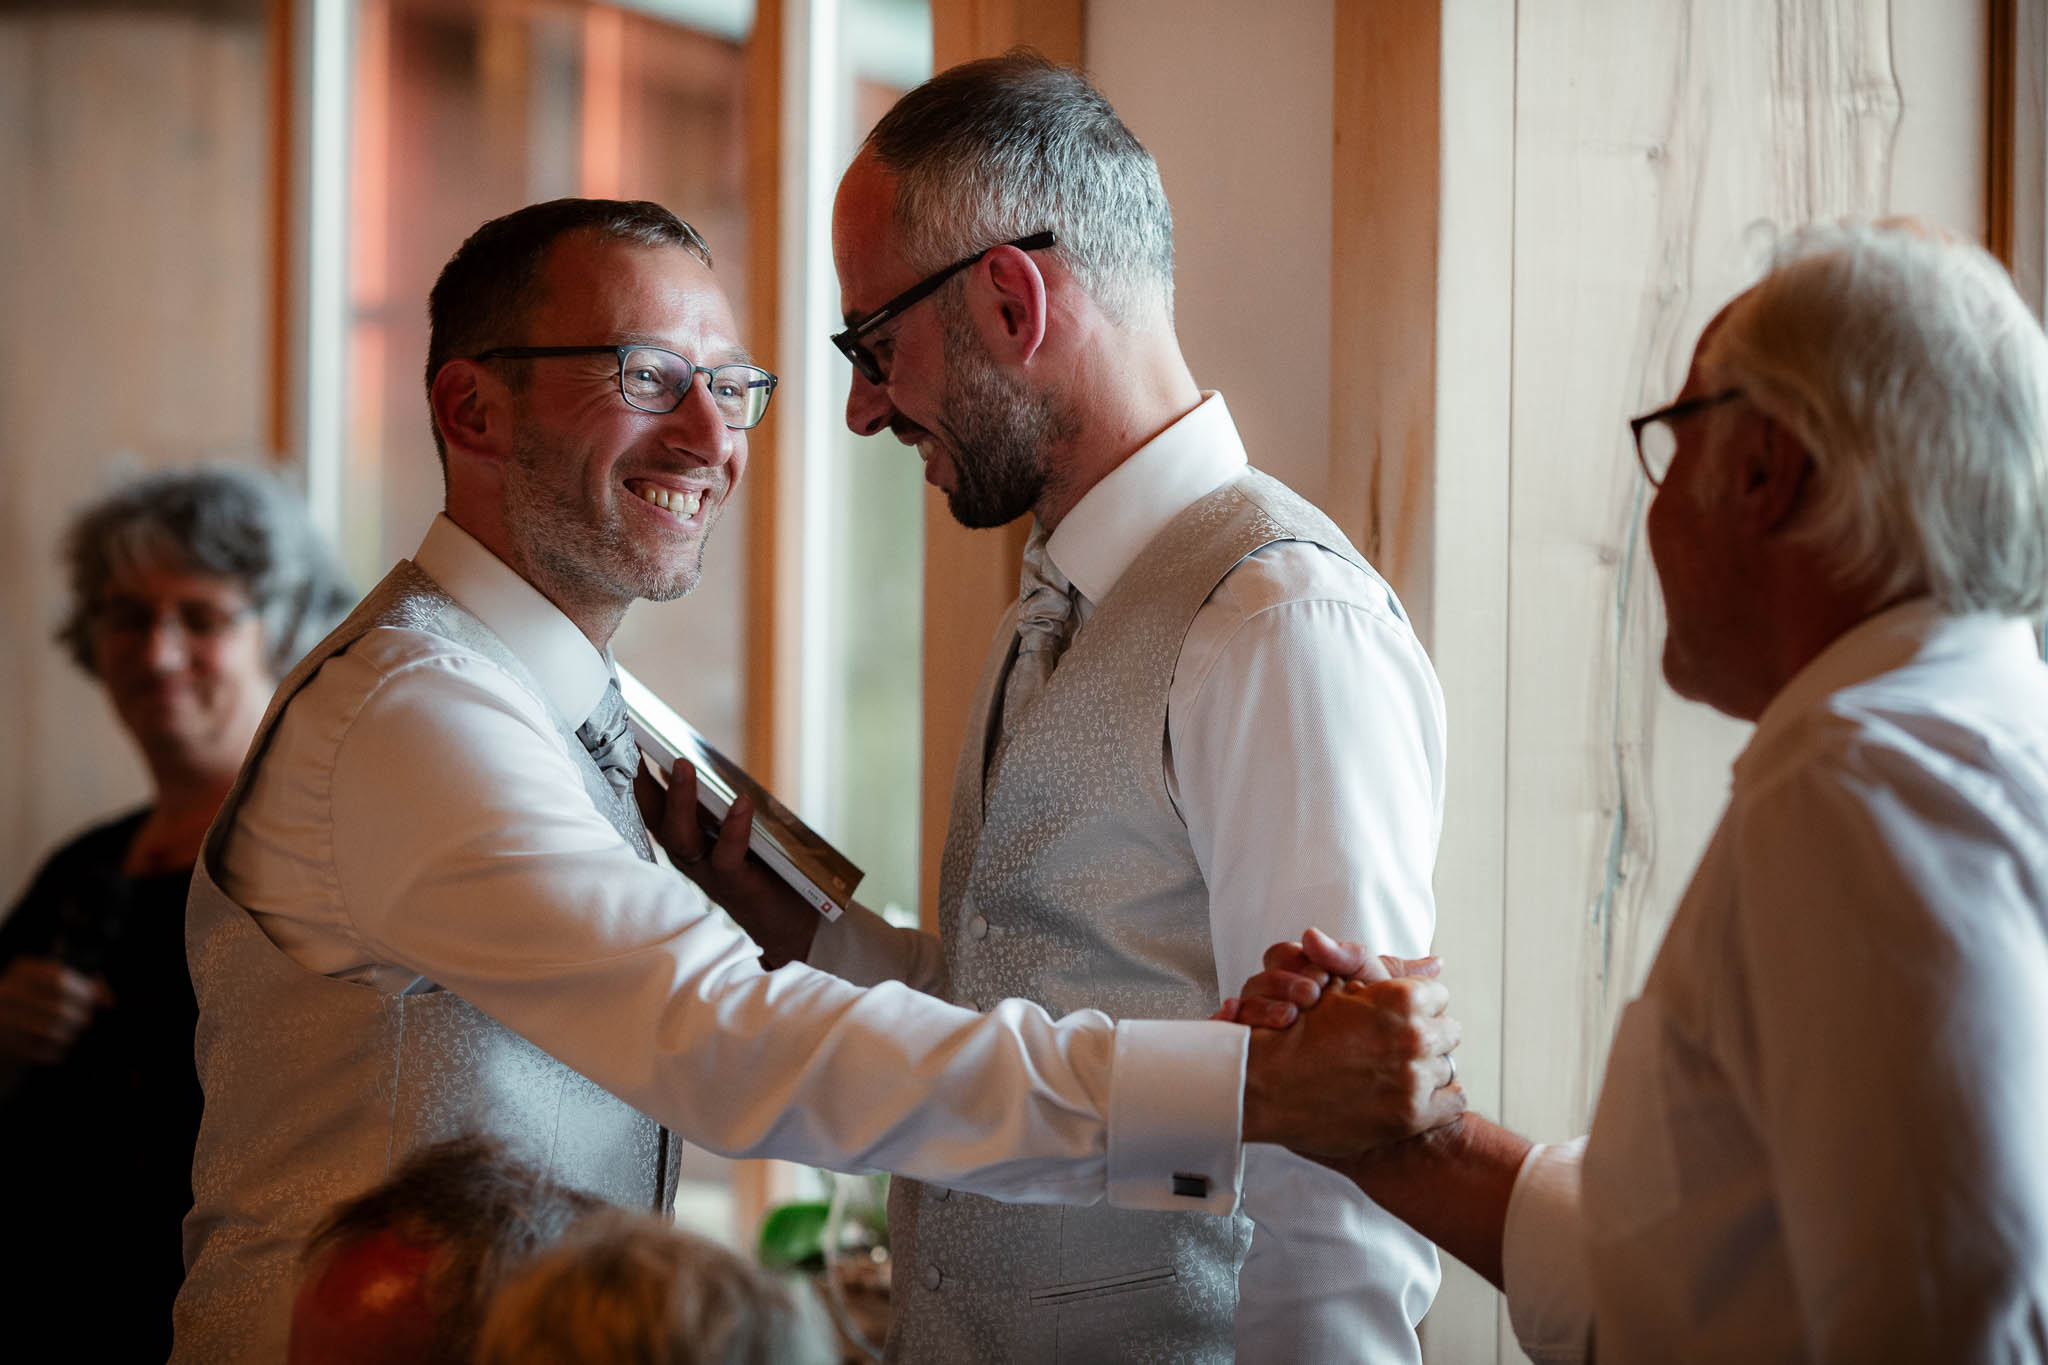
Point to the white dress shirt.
(418, 821)
(1823, 1131)
(1306, 753)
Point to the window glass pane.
(876, 615)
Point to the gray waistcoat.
(1076, 887)
(316, 1087)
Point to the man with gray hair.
(1145, 796)
(1819, 1135)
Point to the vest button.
(977, 927)
(932, 1277)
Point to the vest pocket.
(1078, 1291)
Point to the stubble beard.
(574, 556)
(1000, 429)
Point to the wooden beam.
(970, 576)
(771, 657)
(963, 30)
(281, 52)
(1383, 287)
(1998, 206)
(2016, 183)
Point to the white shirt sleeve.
(1543, 1258)
(1307, 752)
(465, 853)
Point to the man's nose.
(697, 428)
(868, 408)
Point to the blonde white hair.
(1918, 382)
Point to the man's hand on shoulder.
(779, 921)
(1367, 1062)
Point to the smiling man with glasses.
(430, 904)
(1206, 725)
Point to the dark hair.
(230, 521)
(994, 149)
(486, 1209)
(488, 285)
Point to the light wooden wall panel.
(134, 272)
(1592, 192)
(1654, 163)
(1465, 607)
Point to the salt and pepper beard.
(588, 563)
(1000, 428)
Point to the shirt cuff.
(865, 949)
(1176, 1115)
(1543, 1257)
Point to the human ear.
(1775, 468)
(465, 402)
(1006, 293)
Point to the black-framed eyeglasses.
(849, 341)
(656, 380)
(1656, 442)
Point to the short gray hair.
(1918, 381)
(993, 150)
(230, 521)
(629, 1289)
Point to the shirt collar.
(570, 670)
(1097, 540)
(1917, 630)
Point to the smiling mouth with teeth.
(682, 503)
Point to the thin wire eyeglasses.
(656, 380)
(1655, 440)
(849, 341)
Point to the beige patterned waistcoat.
(1076, 887)
(316, 1087)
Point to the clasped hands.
(1349, 1052)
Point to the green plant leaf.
(793, 1236)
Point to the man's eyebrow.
(734, 354)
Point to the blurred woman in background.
(192, 594)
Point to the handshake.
(1348, 1052)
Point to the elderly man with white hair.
(1821, 1132)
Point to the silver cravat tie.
(1045, 622)
(611, 747)
(610, 741)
